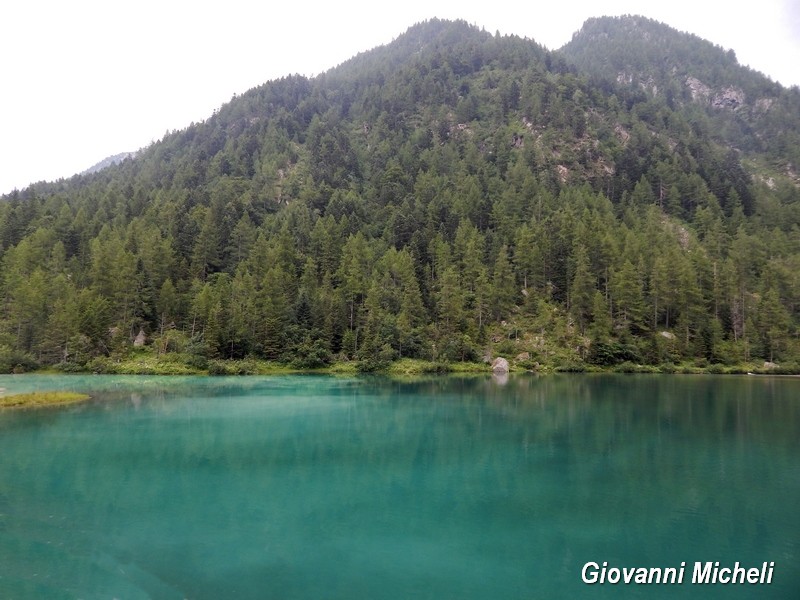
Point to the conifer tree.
(503, 294)
(582, 289)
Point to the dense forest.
(632, 198)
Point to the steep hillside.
(448, 196)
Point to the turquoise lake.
(317, 487)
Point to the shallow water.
(323, 487)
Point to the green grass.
(144, 363)
(415, 366)
(41, 399)
(249, 366)
(342, 368)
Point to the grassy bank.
(148, 363)
(41, 399)
(145, 361)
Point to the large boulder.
(500, 365)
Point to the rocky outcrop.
(699, 90)
(764, 104)
(649, 84)
(730, 98)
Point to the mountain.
(449, 196)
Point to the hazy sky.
(85, 79)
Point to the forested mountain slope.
(450, 195)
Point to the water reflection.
(308, 486)
(500, 378)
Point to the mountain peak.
(664, 61)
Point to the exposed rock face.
(523, 356)
(764, 104)
(731, 98)
(649, 84)
(699, 90)
(500, 365)
(622, 133)
(623, 77)
(140, 339)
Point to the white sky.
(85, 79)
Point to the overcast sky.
(86, 79)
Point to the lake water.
(322, 487)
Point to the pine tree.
(206, 255)
(504, 289)
(773, 323)
(167, 305)
(582, 289)
(600, 329)
(274, 310)
(626, 292)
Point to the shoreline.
(402, 367)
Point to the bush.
(612, 353)
(416, 366)
(629, 367)
(312, 355)
(197, 361)
(219, 367)
(531, 365)
(173, 341)
(246, 366)
(571, 367)
(377, 361)
(506, 348)
(784, 369)
(68, 367)
(14, 361)
(100, 365)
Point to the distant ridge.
(108, 162)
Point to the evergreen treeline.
(450, 195)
